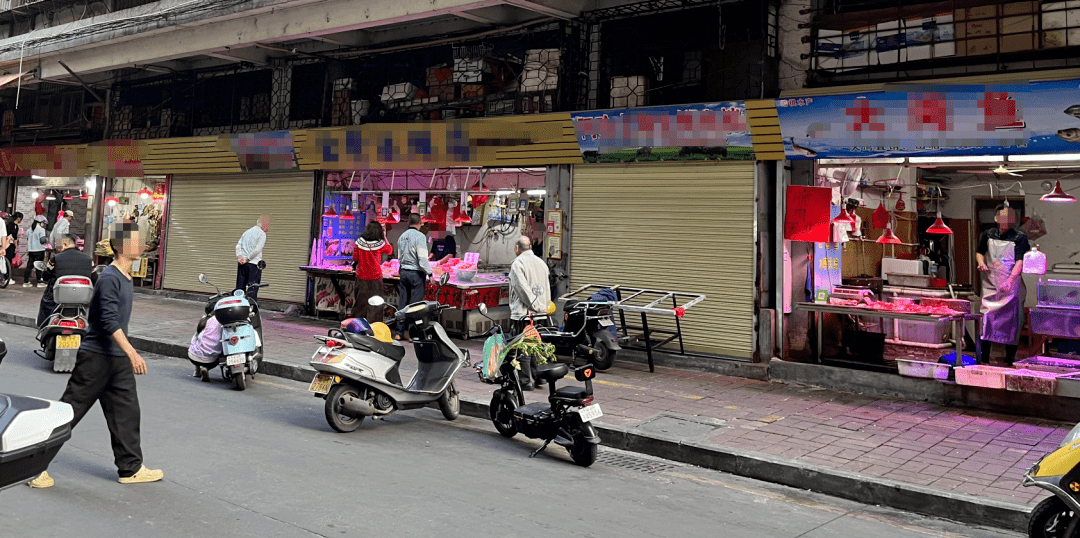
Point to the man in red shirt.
(368, 253)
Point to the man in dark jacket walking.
(107, 363)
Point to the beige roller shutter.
(209, 213)
(675, 227)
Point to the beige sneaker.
(144, 475)
(42, 481)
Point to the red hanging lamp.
(939, 227)
(145, 193)
(84, 196)
(330, 213)
(67, 196)
(112, 200)
(1057, 195)
(347, 215)
(888, 237)
(461, 216)
(844, 217)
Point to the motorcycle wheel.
(50, 350)
(450, 403)
(502, 416)
(582, 452)
(337, 421)
(1050, 519)
(239, 381)
(604, 357)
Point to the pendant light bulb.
(889, 238)
(939, 227)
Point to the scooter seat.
(394, 351)
(573, 393)
(551, 372)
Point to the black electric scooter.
(586, 333)
(565, 418)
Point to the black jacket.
(71, 262)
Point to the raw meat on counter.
(902, 307)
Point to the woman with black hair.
(368, 253)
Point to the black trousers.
(110, 381)
(249, 273)
(410, 290)
(32, 257)
(46, 308)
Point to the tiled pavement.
(950, 449)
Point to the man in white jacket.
(530, 291)
(249, 251)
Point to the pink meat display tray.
(1049, 364)
(960, 305)
(980, 375)
(1031, 381)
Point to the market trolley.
(644, 302)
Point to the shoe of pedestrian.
(144, 475)
(204, 373)
(42, 481)
(26, 284)
(41, 284)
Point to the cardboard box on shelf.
(472, 91)
(399, 92)
(471, 71)
(538, 81)
(629, 92)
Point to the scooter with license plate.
(566, 418)
(241, 334)
(358, 373)
(586, 333)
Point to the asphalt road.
(264, 463)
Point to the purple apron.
(1002, 311)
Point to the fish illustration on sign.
(802, 150)
(1072, 134)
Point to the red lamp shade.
(889, 238)
(939, 227)
(347, 215)
(112, 200)
(330, 213)
(1057, 195)
(461, 216)
(844, 217)
(84, 196)
(145, 193)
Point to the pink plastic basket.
(924, 369)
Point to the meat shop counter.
(956, 319)
(334, 291)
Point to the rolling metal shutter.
(676, 227)
(209, 213)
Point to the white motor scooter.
(358, 373)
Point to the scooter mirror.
(262, 264)
(482, 308)
(375, 300)
(444, 279)
(202, 278)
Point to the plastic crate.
(1051, 321)
(1068, 385)
(980, 375)
(924, 369)
(1049, 364)
(1031, 381)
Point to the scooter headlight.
(1072, 437)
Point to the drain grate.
(623, 461)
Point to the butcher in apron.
(1000, 258)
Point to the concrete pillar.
(792, 67)
(93, 234)
(558, 181)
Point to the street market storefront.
(666, 201)
(924, 171)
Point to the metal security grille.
(679, 227)
(209, 213)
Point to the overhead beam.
(342, 39)
(257, 57)
(554, 8)
(475, 18)
(286, 24)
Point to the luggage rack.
(644, 302)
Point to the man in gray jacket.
(530, 294)
(414, 268)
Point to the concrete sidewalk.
(948, 462)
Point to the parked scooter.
(61, 334)
(566, 418)
(358, 371)
(241, 332)
(586, 333)
(1058, 473)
